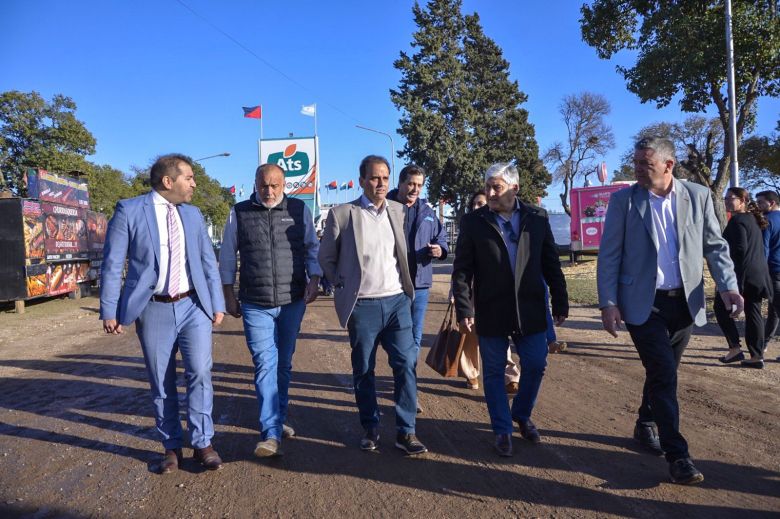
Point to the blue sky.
(151, 77)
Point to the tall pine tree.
(460, 111)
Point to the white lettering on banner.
(65, 244)
(67, 211)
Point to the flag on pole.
(343, 186)
(310, 110)
(253, 112)
(232, 190)
(351, 184)
(332, 185)
(241, 191)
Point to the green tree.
(588, 137)
(460, 112)
(759, 161)
(37, 133)
(681, 53)
(107, 186)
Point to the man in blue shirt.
(426, 241)
(769, 203)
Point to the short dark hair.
(411, 170)
(661, 145)
(769, 196)
(372, 159)
(167, 166)
(473, 197)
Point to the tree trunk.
(718, 187)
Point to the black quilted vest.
(271, 251)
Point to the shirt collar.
(158, 199)
(498, 215)
(668, 196)
(365, 203)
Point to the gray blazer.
(628, 257)
(341, 253)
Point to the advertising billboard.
(48, 187)
(33, 231)
(588, 212)
(298, 159)
(65, 230)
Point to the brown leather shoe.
(512, 388)
(170, 461)
(208, 457)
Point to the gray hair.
(661, 145)
(505, 171)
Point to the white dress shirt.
(664, 212)
(381, 273)
(161, 212)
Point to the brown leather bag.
(444, 355)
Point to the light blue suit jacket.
(133, 236)
(628, 254)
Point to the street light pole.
(392, 150)
(225, 154)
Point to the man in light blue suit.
(173, 293)
(650, 275)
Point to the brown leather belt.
(173, 299)
(675, 292)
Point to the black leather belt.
(173, 299)
(675, 292)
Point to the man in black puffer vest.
(279, 275)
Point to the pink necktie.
(174, 250)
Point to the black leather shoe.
(528, 431)
(410, 444)
(684, 473)
(370, 442)
(647, 436)
(503, 445)
(755, 364)
(728, 360)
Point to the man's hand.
(231, 303)
(467, 323)
(434, 250)
(312, 290)
(218, 318)
(733, 302)
(559, 319)
(610, 319)
(112, 327)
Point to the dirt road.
(77, 439)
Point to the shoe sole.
(369, 448)
(691, 481)
(264, 452)
(400, 446)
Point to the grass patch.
(582, 291)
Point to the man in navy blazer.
(173, 293)
(650, 275)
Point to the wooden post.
(19, 306)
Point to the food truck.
(588, 212)
(51, 243)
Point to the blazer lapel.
(151, 222)
(357, 229)
(190, 237)
(683, 206)
(642, 204)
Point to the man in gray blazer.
(363, 253)
(650, 275)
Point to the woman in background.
(746, 247)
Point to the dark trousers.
(385, 320)
(754, 325)
(660, 342)
(774, 309)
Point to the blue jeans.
(385, 320)
(163, 328)
(419, 305)
(270, 335)
(532, 350)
